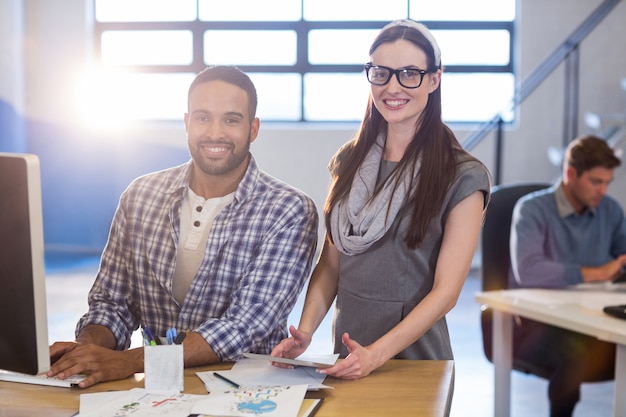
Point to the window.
(305, 56)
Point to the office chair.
(496, 260)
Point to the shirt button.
(199, 209)
(196, 223)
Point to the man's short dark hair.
(588, 152)
(231, 75)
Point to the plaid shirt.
(257, 259)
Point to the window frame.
(302, 66)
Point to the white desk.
(580, 311)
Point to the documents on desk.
(281, 401)
(270, 401)
(262, 389)
(137, 402)
(257, 372)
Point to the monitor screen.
(23, 315)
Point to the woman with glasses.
(402, 218)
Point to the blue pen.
(146, 341)
(171, 335)
(151, 340)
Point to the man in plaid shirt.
(215, 247)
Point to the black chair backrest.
(495, 253)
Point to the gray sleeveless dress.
(378, 288)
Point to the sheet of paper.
(276, 401)
(256, 372)
(95, 401)
(314, 362)
(136, 402)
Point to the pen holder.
(164, 368)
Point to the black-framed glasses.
(407, 77)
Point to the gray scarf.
(359, 220)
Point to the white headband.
(423, 30)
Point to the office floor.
(68, 284)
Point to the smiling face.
(219, 129)
(397, 104)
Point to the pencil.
(223, 378)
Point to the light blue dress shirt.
(550, 242)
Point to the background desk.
(399, 388)
(580, 311)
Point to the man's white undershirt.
(196, 219)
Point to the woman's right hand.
(292, 347)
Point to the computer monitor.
(23, 315)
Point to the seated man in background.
(567, 234)
(215, 247)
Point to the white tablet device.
(295, 362)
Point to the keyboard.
(41, 379)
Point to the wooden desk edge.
(427, 383)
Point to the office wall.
(12, 136)
(45, 47)
(543, 26)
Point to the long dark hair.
(433, 145)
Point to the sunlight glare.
(101, 100)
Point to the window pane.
(145, 10)
(329, 46)
(246, 10)
(279, 96)
(147, 47)
(475, 97)
(354, 9)
(479, 10)
(335, 97)
(163, 95)
(473, 47)
(145, 96)
(250, 47)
